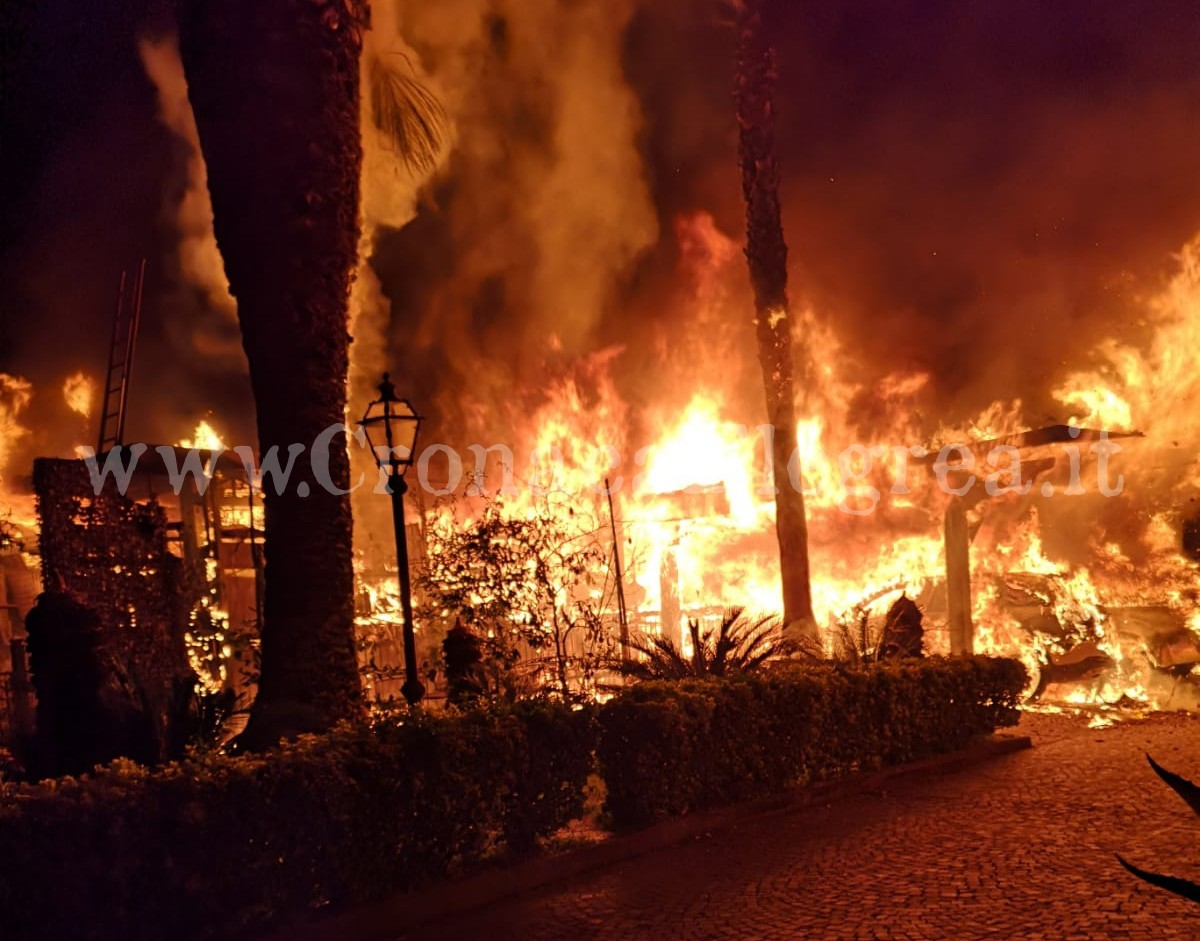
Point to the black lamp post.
(399, 423)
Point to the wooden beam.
(958, 579)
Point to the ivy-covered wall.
(110, 554)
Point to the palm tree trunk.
(275, 88)
(766, 253)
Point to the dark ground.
(1018, 847)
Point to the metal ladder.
(120, 359)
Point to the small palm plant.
(739, 644)
(1191, 796)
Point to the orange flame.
(79, 392)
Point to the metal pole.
(622, 614)
(412, 689)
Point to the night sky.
(982, 190)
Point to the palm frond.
(1181, 786)
(663, 659)
(727, 640)
(768, 647)
(737, 645)
(703, 658)
(1191, 795)
(407, 113)
(1182, 887)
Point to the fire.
(1096, 406)
(15, 396)
(205, 437)
(692, 504)
(702, 450)
(1055, 575)
(1092, 592)
(79, 392)
(1154, 389)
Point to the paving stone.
(1019, 847)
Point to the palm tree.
(766, 254)
(739, 644)
(275, 87)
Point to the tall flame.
(15, 395)
(204, 437)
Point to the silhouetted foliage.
(10, 536)
(220, 847)
(857, 640)
(406, 111)
(903, 634)
(1191, 796)
(87, 713)
(533, 586)
(738, 644)
(463, 657)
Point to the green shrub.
(669, 748)
(222, 847)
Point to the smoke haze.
(980, 192)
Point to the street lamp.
(397, 422)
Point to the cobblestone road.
(1018, 848)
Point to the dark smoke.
(979, 190)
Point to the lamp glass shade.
(391, 425)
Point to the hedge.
(669, 748)
(224, 847)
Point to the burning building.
(573, 303)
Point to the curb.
(392, 917)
